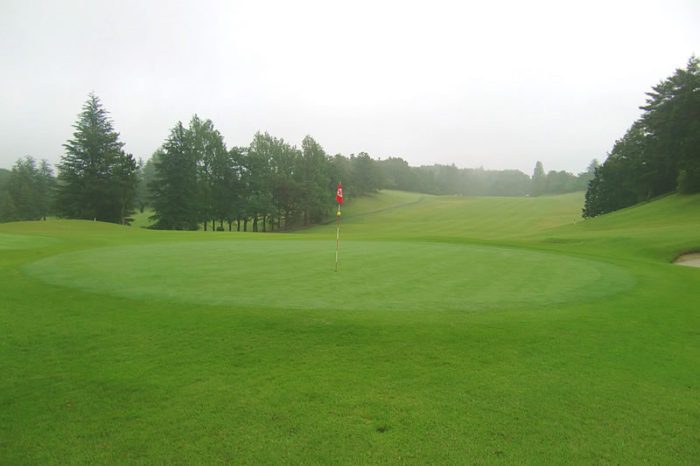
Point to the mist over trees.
(659, 154)
(194, 181)
(448, 179)
(271, 185)
(26, 191)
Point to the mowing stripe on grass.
(10, 241)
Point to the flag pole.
(339, 200)
(337, 239)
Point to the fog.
(478, 84)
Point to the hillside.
(658, 230)
(394, 214)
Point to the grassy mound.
(125, 345)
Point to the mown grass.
(457, 330)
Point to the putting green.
(372, 275)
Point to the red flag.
(339, 195)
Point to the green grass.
(457, 330)
(141, 219)
(376, 275)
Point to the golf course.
(456, 330)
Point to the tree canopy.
(194, 181)
(96, 178)
(659, 154)
(27, 191)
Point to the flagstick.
(337, 239)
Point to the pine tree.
(95, 176)
(23, 190)
(672, 121)
(661, 151)
(539, 180)
(45, 185)
(29, 189)
(175, 187)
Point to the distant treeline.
(659, 154)
(193, 180)
(26, 192)
(448, 179)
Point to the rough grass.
(579, 346)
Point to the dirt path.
(691, 260)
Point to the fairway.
(288, 274)
(457, 330)
(9, 241)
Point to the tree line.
(448, 179)
(659, 154)
(25, 192)
(194, 181)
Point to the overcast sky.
(498, 84)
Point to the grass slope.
(458, 330)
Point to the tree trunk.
(245, 224)
(238, 224)
(264, 223)
(255, 223)
(205, 225)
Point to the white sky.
(498, 84)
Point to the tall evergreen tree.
(661, 151)
(672, 122)
(124, 186)
(175, 190)
(22, 188)
(29, 189)
(539, 180)
(623, 179)
(45, 185)
(95, 171)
